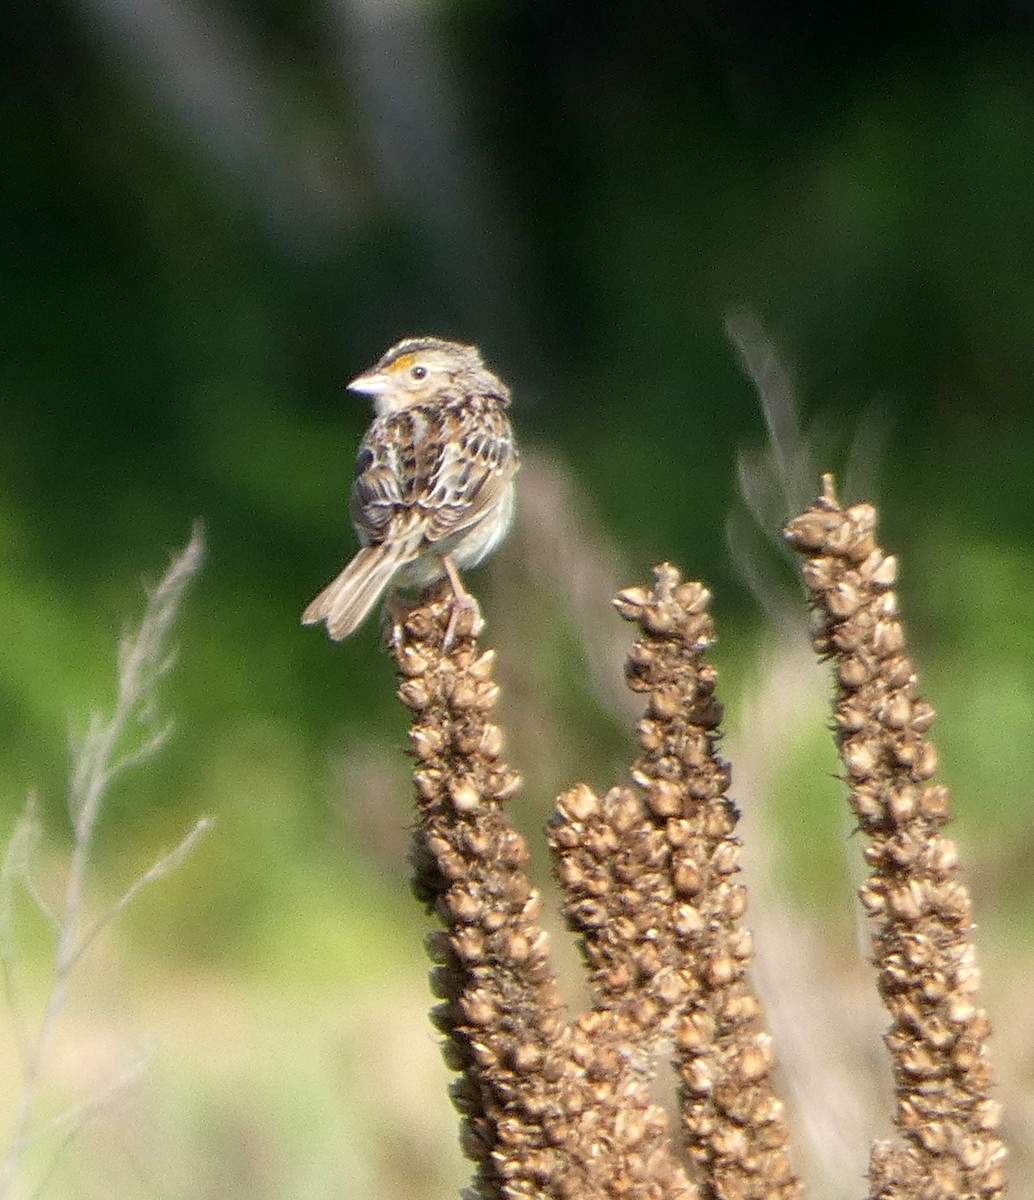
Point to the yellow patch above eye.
(403, 363)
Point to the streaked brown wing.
(477, 461)
(378, 491)
(436, 468)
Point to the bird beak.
(374, 383)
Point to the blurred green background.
(215, 212)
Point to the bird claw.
(463, 605)
(398, 609)
(465, 620)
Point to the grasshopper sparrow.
(434, 479)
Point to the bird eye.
(419, 372)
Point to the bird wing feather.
(433, 469)
(476, 461)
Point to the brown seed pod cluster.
(561, 1108)
(551, 1109)
(651, 876)
(923, 950)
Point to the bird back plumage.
(443, 464)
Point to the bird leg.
(463, 603)
(398, 609)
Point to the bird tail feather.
(345, 603)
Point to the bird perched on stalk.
(434, 480)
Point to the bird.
(434, 479)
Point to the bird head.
(417, 370)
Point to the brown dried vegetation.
(924, 956)
(559, 1106)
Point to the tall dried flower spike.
(924, 955)
(652, 881)
(550, 1109)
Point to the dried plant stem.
(71, 1122)
(98, 760)
(551, 1109)
(675, 913)
(924, 955)
(563, 1109)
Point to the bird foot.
(465, 620)
(398, 609)
(466, 616)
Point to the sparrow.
(434, 479)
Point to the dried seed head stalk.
(927, 970)
(651, 878)
(550, 1110)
